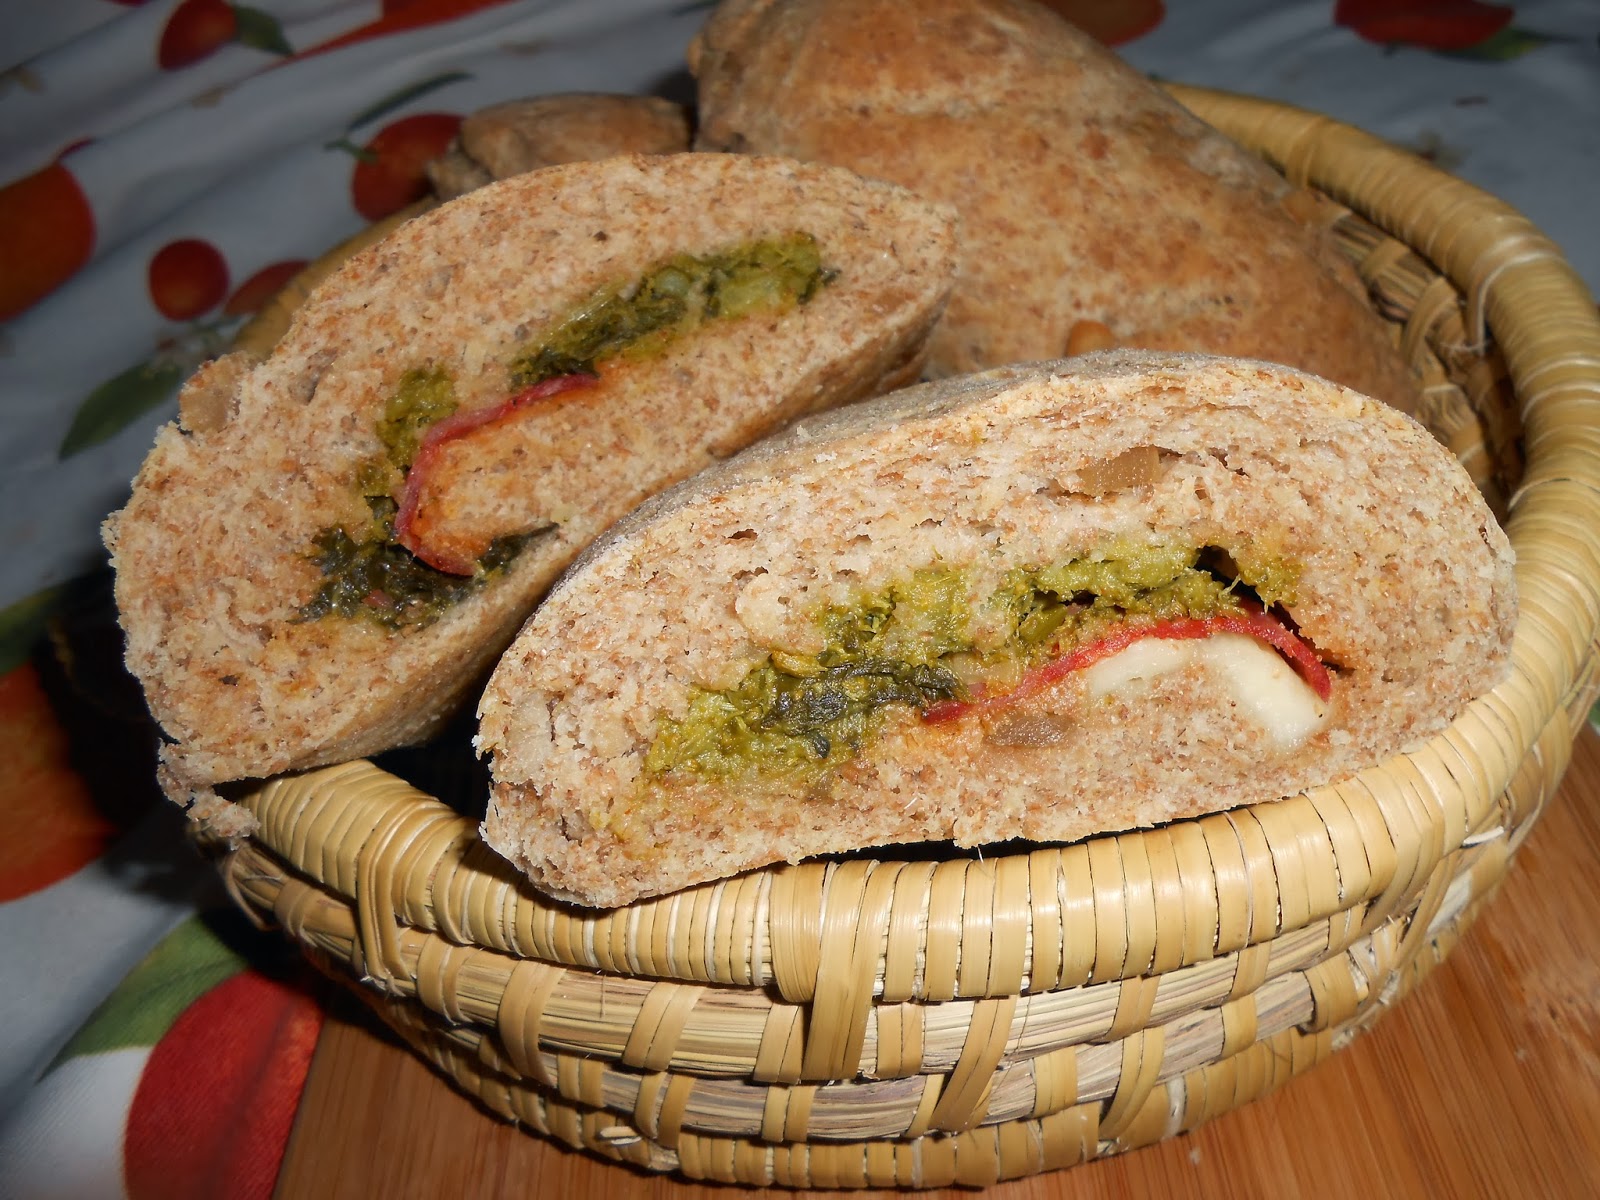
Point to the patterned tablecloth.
(166, 166)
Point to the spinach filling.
(795, 711)
(368, 574)
(384, 582)
(920, 641)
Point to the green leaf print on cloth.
(120, 401)
(183, 966)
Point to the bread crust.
(1088, 196)
(212, 551)
(1405, 586)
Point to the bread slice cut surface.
(1042, 602)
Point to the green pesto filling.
(919, 642)
(797, 711)
(425, 397)
(367, 574)
(675, 299)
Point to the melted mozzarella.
(1263, 687)
(1141, 663)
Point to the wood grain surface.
(1485, 1081)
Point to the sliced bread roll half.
(1041, 602)
(328, 564)
(1095, 210)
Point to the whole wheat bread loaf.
(241, 554)
(679, 709)
(1095, 210)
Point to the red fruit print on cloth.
(1433, 24)
(196, 29)
(188, 278)
(52, 824)
(215, 1104)
(391, 169)
(46, 236)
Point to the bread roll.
(543, 131)
(1041, 602)
(1086, 194)
(331, 566)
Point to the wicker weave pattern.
(862, 1022)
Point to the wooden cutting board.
(1485, 1081)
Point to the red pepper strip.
(440, 434)
(1252, 622)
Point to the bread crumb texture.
(1405, 589)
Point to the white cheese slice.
(1141, 663)
(1265, 688)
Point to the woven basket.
(862, 1022)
